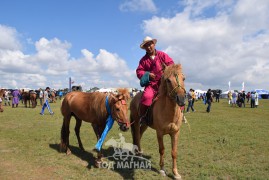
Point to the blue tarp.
(263, 94)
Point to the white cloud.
(52, 65)
(215, 50)
(8, 38)
(138, 5)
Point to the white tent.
(199, 93)
(104, 90)
(225, 93)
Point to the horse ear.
(114, 99)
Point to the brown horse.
(166, 113)
(91, 107)
(33, 99)
(52, 97)
(29, 97)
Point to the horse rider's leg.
(174, 139)
(77, 130)
(143, 110)
(161, 152)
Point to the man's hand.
(151, 76)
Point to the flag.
(229, 83)
(243, 86)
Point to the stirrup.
(143, 120)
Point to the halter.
(119, 121)
(177, 87)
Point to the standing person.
(46, 102)
(256, 95)
(244, 98)
(6, 96)
(60, 94)
(252, 100)
(149, 71)
(41, 96)
(1, 108)
(217, 95)
(208, 100)
(190, 101)
(248, 96)
(229, 97)
(16, 94)
(193, 99)
(234, 95)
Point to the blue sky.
(43, 43)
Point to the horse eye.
(117, 109)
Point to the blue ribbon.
(109, 124)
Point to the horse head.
(172, 84)
(119, 109)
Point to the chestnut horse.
(166, 114)
(91, 107)
(29, 97)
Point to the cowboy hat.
(146, 40)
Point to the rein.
(177, 87)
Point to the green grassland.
(227, 143)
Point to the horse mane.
(168, 71)
(123, 92)
(171, 70)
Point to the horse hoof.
(162, 172)
(178, 177)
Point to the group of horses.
(166, 114)
(29, 98)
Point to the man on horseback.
(149, 71)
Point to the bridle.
(120, 121)
(178, 86)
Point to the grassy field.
(228, 143)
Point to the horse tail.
(65, 126)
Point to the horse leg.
(65, 135)
(161, 152)
(174, 139)
(77, 130)
(135, 127)
(98, 132)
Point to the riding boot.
(143, 109)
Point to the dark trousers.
(208, 106)
(252, 103)
(190, 106)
